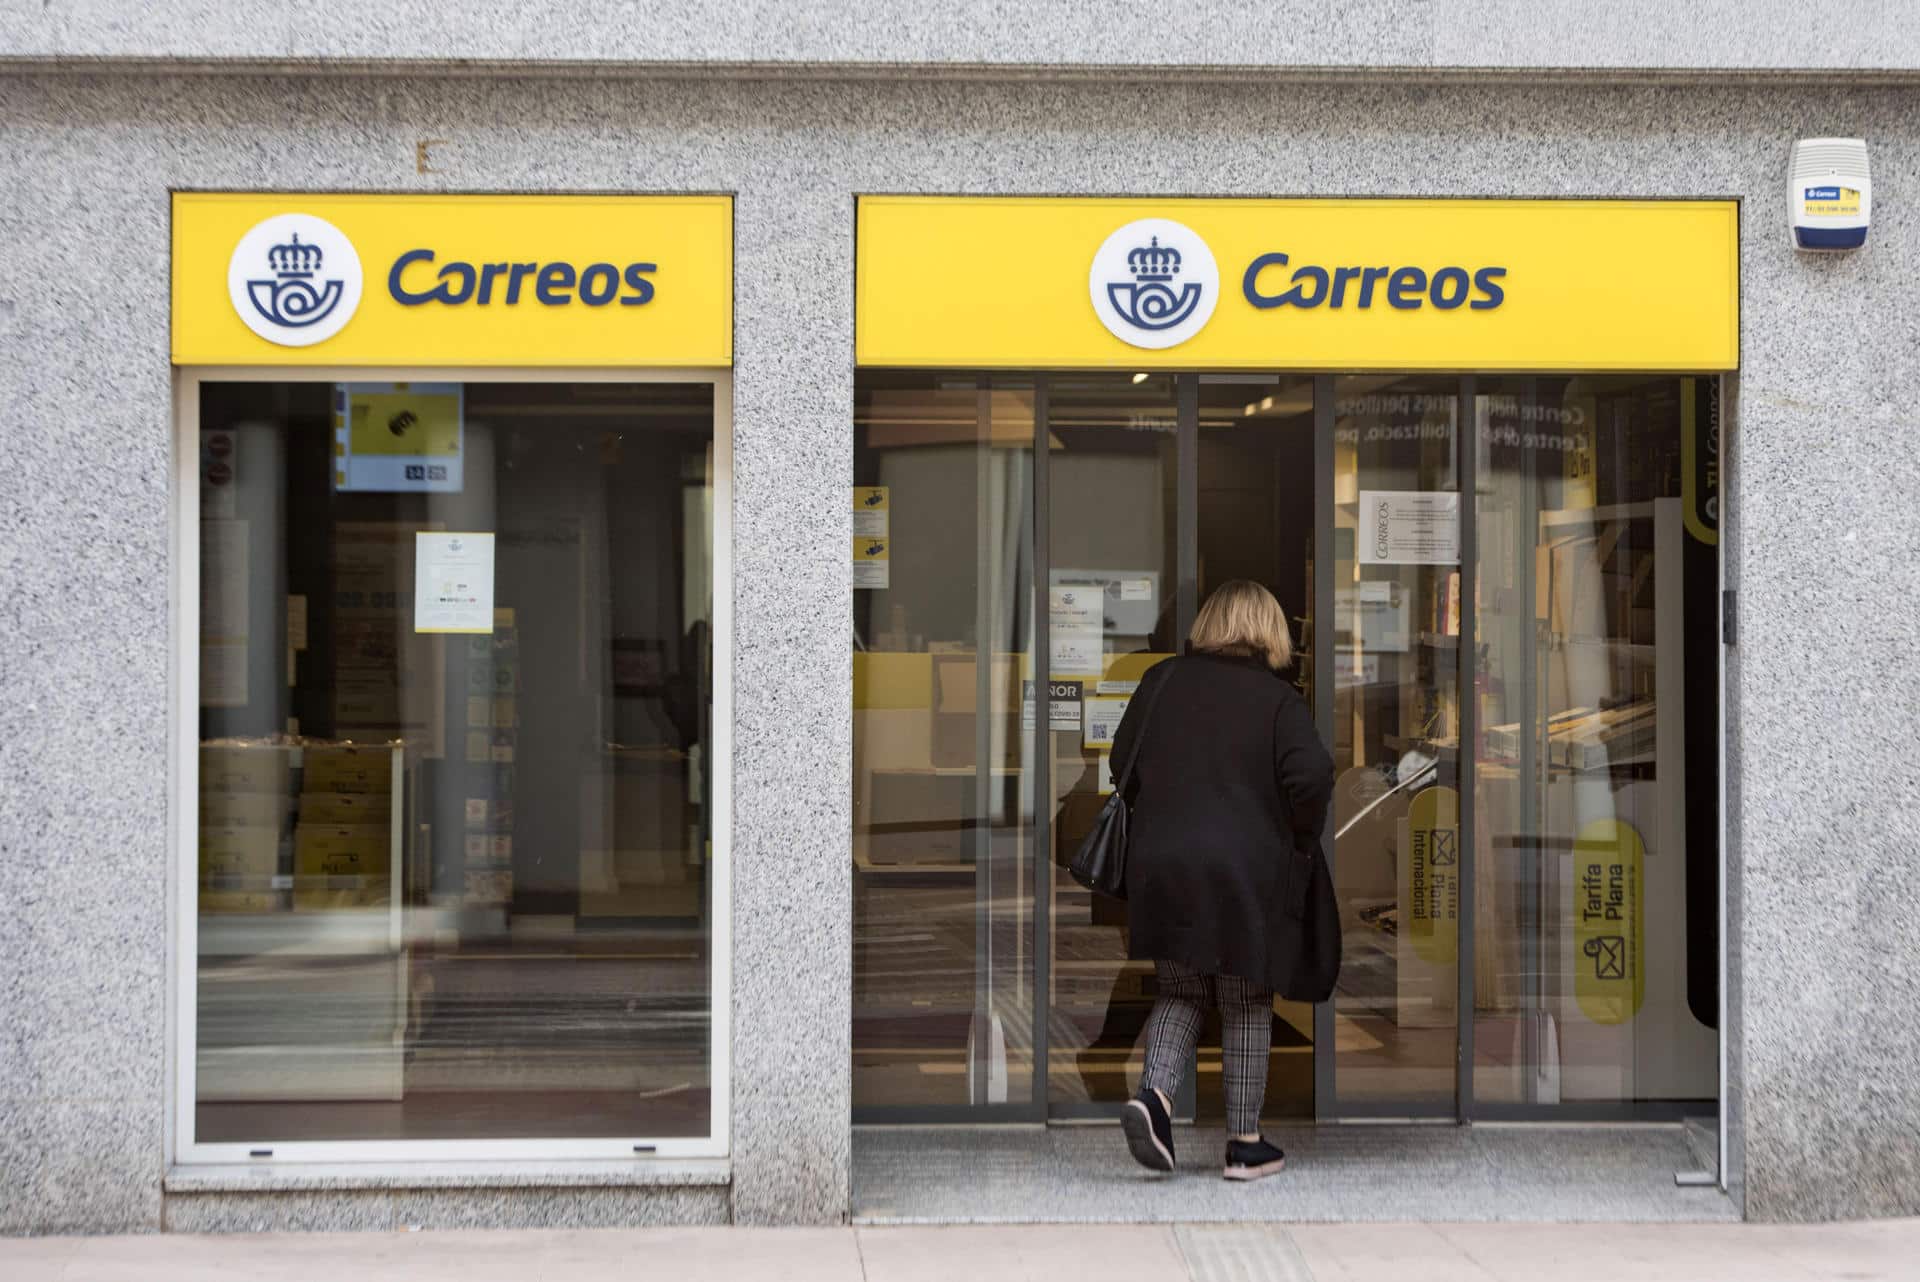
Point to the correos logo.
(1154, 283)
(415, 280)
(294, 280)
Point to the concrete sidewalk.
(1099, 1253)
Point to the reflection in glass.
(1596, 768)
(1254, 520)
(943, 1001)
(1111, 578)
(1395, 667)
(454, 821)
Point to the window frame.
(183, 783)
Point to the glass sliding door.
(1254, 513)
(1515, 573)
(943, 840)
(1596, 967)
(1113, 581)
(1395, 666)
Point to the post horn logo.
(293, 297)
(1154, 283)
(294, 280)
(1151, 301)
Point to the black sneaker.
(1252, 1161)
(1149, 1131)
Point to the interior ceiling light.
(1140, 377)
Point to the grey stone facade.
(1855, 37)
(1824, 796)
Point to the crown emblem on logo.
(295, 261)
(293, 298)
(1151, 301)
(1154, 262)
(1153, 283)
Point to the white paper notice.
(1409, 527)
(1350, 670)
(452, 582)
(1063, 705)
(1103, 719)
(1075, 618)
(1377, 612)
(1136, 589)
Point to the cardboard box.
(350, 809)
(348, 768)
(245, 768)
(340, 866)
(249, 851)
(239, 901)
(253, 809)
(339, 850)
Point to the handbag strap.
(1146, 719)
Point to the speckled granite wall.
(1703, 35)
(1823, 532)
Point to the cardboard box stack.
(244, 805)
(343, 843)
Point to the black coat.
(1232, 781)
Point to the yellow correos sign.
(1046, 282)
(452, 280)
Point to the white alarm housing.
(1829, 195)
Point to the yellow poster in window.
(397, 420)
(1609, 914)
(1433, 875)
(870, 511)
(872, 562)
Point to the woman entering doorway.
(1229, 795)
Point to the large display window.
(453, 733)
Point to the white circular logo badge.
(1154, 283)
(294, 279)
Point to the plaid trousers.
(1246, 1035)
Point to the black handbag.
(1314, 906)
(1100, 864)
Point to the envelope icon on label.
(1609, 953)
(1446, 846)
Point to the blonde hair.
(1242, 618)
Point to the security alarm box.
(1829, 195)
